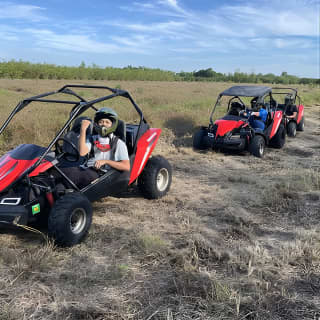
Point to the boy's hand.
(99, 163)
(85, 124)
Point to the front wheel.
(70, 219)
(155, 179)
(300, 126)
(257, 146)
(199, 141)
(292, 129)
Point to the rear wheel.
(279, 139)
(257, 146)
(199, 142)
(292, 129)
(70, 219)
(155, 179)
(300, 126)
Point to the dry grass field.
(237, 237)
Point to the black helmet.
(288, 100)
(254, 104)
(106, 113)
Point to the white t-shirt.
(101, 149)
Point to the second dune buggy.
(29, 191)
(232, 131)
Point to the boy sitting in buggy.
(105, 150)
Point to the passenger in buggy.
(236, 108)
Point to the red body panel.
(11, 169)
(300, 113)
(276, 123)
(225, 126)
(145, 146)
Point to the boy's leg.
(258, 124)
(80, 177)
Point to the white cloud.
(173, 29)
(291, 20)
(160, 8)
(8, 33)
(27, 12)
(173, 4)
(77, 43)
(251, 21)
(7, 36)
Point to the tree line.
(25, 70)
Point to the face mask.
(104, 131)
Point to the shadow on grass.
(182, 128)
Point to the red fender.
(145, 146)
(11, 169)
(276, 123)
(300, 113)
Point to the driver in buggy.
(103, 150)
(258, 114)
(291, 110)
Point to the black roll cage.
(293, 92)
(79, 107)
(260, 100)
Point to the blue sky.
(178, 35)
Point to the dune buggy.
(291, 102)
(29, 191)
(233, 131)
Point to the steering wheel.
(247, 111)
(68, 156)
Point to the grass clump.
(150, 245)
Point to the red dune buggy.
(291, 103)
(30, 193)
(233, 131)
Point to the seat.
(121, 130)
(235, 109)
(273, 104)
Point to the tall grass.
(190, 103)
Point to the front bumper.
(233, 143)
(12, 214)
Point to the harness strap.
(113, 146)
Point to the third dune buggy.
(231, 130)
(29, 192)
(290, 101)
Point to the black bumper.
(10, 214)
(230, 144)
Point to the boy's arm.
(83, 148)
(122, 165)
